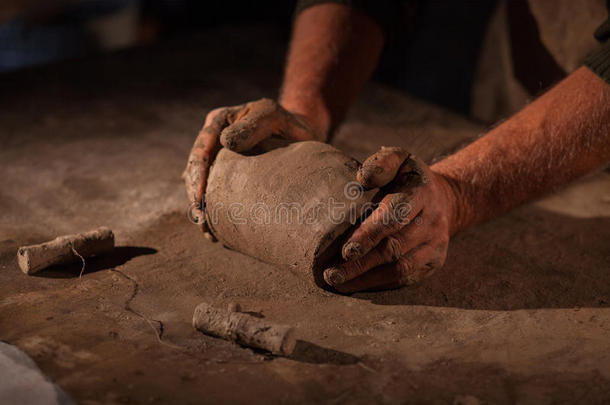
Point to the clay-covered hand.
(238, 128)
(405, 238)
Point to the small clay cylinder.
(61, 250)
(244, 329)
(290, 206)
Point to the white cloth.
(22, 382)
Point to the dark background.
(431, 54)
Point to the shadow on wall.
(530, 258)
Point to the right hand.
(405, 239)
(238, 128)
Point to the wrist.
(314, 114)
(460, 213)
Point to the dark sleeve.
(599, 60)
(384, 12)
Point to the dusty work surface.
(519, 314)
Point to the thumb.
(381, 168)
(255, 122)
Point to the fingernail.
(334, 276)
(351, 250)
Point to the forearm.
(561, 136)
(334, 50)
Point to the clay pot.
(290, 206)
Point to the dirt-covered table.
(519, 313)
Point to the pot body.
(290, 206)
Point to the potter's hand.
(405, 239)
(238, 128)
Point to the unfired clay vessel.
(290, 206)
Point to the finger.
(412, 174)
(408, 270)
(256, 121)
(209, 236)
(422, 263)
(353, 268)
(393, 213)
(297, 128)
(380, 168)
(389, 250)
(196, 216)
(384, 277)
(195, 178)
(205, 148)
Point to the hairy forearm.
(334, 50)
(560, 137)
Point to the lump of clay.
(290, 206)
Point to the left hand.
(238, 128)
(405, 238)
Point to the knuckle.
(217, 118)
(267, 103)
(399, 208)
(427, 270)
(404, 267)
(238, 135)
(396, 199)
(415, 164)
(398, 276)
(198, 162)
(440, 254)
(443, 224)
(263, 107)
(412, 273)
(393, 149)
(436, 223)
(443, 243)
(370, 237)
(393, 249)
(414, 173)
(356, 268)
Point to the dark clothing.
(388, 13)
(384, 12)
(599, 61)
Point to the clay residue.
(286, 206)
